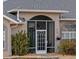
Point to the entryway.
(41, 31)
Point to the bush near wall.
(67, 47)
(20, 43)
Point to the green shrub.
(67, 47)
(20, 43)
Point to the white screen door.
(41, 41)
(41, 37)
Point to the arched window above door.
(40, 17)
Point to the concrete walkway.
(46, 56)
(32, 57)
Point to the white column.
(9, 40)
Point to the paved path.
(46, 56)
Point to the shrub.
(67, 47)
(20, 43)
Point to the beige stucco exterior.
(7, 51)
(18, 27)
(13, 29)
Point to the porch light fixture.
(58, 38)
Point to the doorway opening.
(41, 31)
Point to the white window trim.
(68, 33)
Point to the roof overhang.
(68, 19)
(12, 20)
(42, 11)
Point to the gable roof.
(11, 16)
(69, 5)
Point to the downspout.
(18, 15)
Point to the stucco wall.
(17, 28)
(7, 51)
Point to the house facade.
(46, 27)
